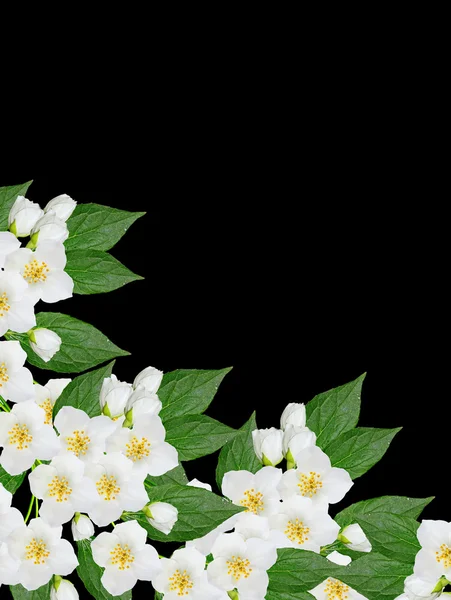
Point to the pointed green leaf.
(239, 454)
(197, 435)
(359, 449)
(188, 392)
(176, 475)
(11, 482)
(8, 196)
(20, 593)
(93, 226)
(97, 272)
(397, 505)
(332, 413)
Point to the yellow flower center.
(107, 487)
(310, 484)
(296, 531)
(180, 583)
(59, 487)
(20, 437)
(37, 552)
(78, 443)
(444, 556)
(4, 377)
(122, 557)
(335, 590)
(4, 306)
(239, 567)
(47, 406)
(136, 450)
(253, 501)
(35, 271)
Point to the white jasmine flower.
(9, 567)
(141, 402)
(82, 527)
(150, 378)
(199, 484)
(293, 414)
(49, 228)
(63, 489)
(10, 518)
(23, 216)
(162, 516)
(8, 243)
(268, 445)
(45, 342)
(113, 396)
(338, 558)
(315, 478)
(118, 488)
(303, 524)
(125, 556)
(354, 537)
(25, 437)
(16, 308)
(46, 395)
(333, 589)
(41, 552)
(241, 565)
(417, 588)
(184, 575)
(145, 446)
(434, 559)
(16, 382)
(63, 589)
(82, 435)
(258, 493)
(62, 205)
(296, 439)
(43, 270)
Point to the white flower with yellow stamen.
(43, 270)
(16, 308)
(10, 517)
(16, 381)
(241, 564)
(126, 557)
(23, 215)
(302, 524)
(184, 576)
(63, 489)
(333, 589)
(257, 493)
(315, 478)
(82, 435)
(46, 395)
(8, 243)
(62, 205)
(145, 446)
(434, 559)
(118, 487)
(113, 396)
(25, 437)
(41, 552)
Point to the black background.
(301, 283)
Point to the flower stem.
(30, 508)
(37, 507)
(113, 523)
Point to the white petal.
(267, 480)
(336, 484)
(339, 559)
(102, 547)
(151, 427)
(19, 388)
(84, 495)
(229, 544)
(133, 495)
(29, 414)
(117, 582)
(69, 419)
(105, 512)
(50, 535)
(163, 457)
(100, 427)
(16, 261)
(256, 583)
(53, 253)
(56, 387)
(312, 459)
(56, 513)
(7, 422)
(10, 520)
(58, 286)
(191, 560)
(252, 526)
(40, 479)
(16, 461)
(432, 534)
(34, 576)
(21, 317)
(262, 554)
(62, 558)
(132, 534)
(146, 564)
(45, 443)
(235, 483)
(217, 572)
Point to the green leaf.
(83, 346)
(96, 272)
(11, 482)
(197, 435)
(188, 392)
(8, 196)
(332, 413)
(360, 449)
(20, 593)
(83, 392)
(239, 454)
(199, 511)
(93, 226)
(90, 573)
(397, 505)
(176, 475)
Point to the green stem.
(113, 524)
(30, 508)
(37, 507)
(4, 405)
